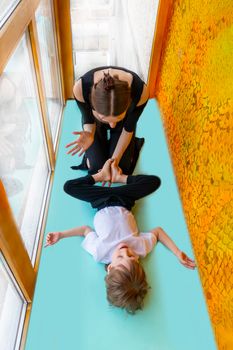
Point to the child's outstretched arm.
(168, 242)
(54, 237)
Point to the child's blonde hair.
(126, 288)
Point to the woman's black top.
(133, 112)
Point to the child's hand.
(186, 261)
(52, 238)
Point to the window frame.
(24, 306)
(8, 12)
(24, 271)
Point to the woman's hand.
(52, 238)
(84, 141)
(186, 261)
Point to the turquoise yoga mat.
(70, 310)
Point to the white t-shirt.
(114, 225)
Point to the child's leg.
(137, 186)
(83, 188)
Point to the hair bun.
(108, 82)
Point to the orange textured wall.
(195, 93)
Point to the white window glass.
(6, 8)
(12, 310)
(113, 32)
(48, 53)
(24, 168)
(90, 22)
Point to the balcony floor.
(70, 310)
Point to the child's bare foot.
(116, 173)
(106, 172)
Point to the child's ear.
(109, 268)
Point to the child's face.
(123, 255)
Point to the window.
(6, 8)
(24, 167)
(113, 32)
(12, 309)
(48, 54)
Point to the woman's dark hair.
(110, 96)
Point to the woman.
(111, 100)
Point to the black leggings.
(137, 186)
(102, 149)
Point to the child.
(116, 240)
